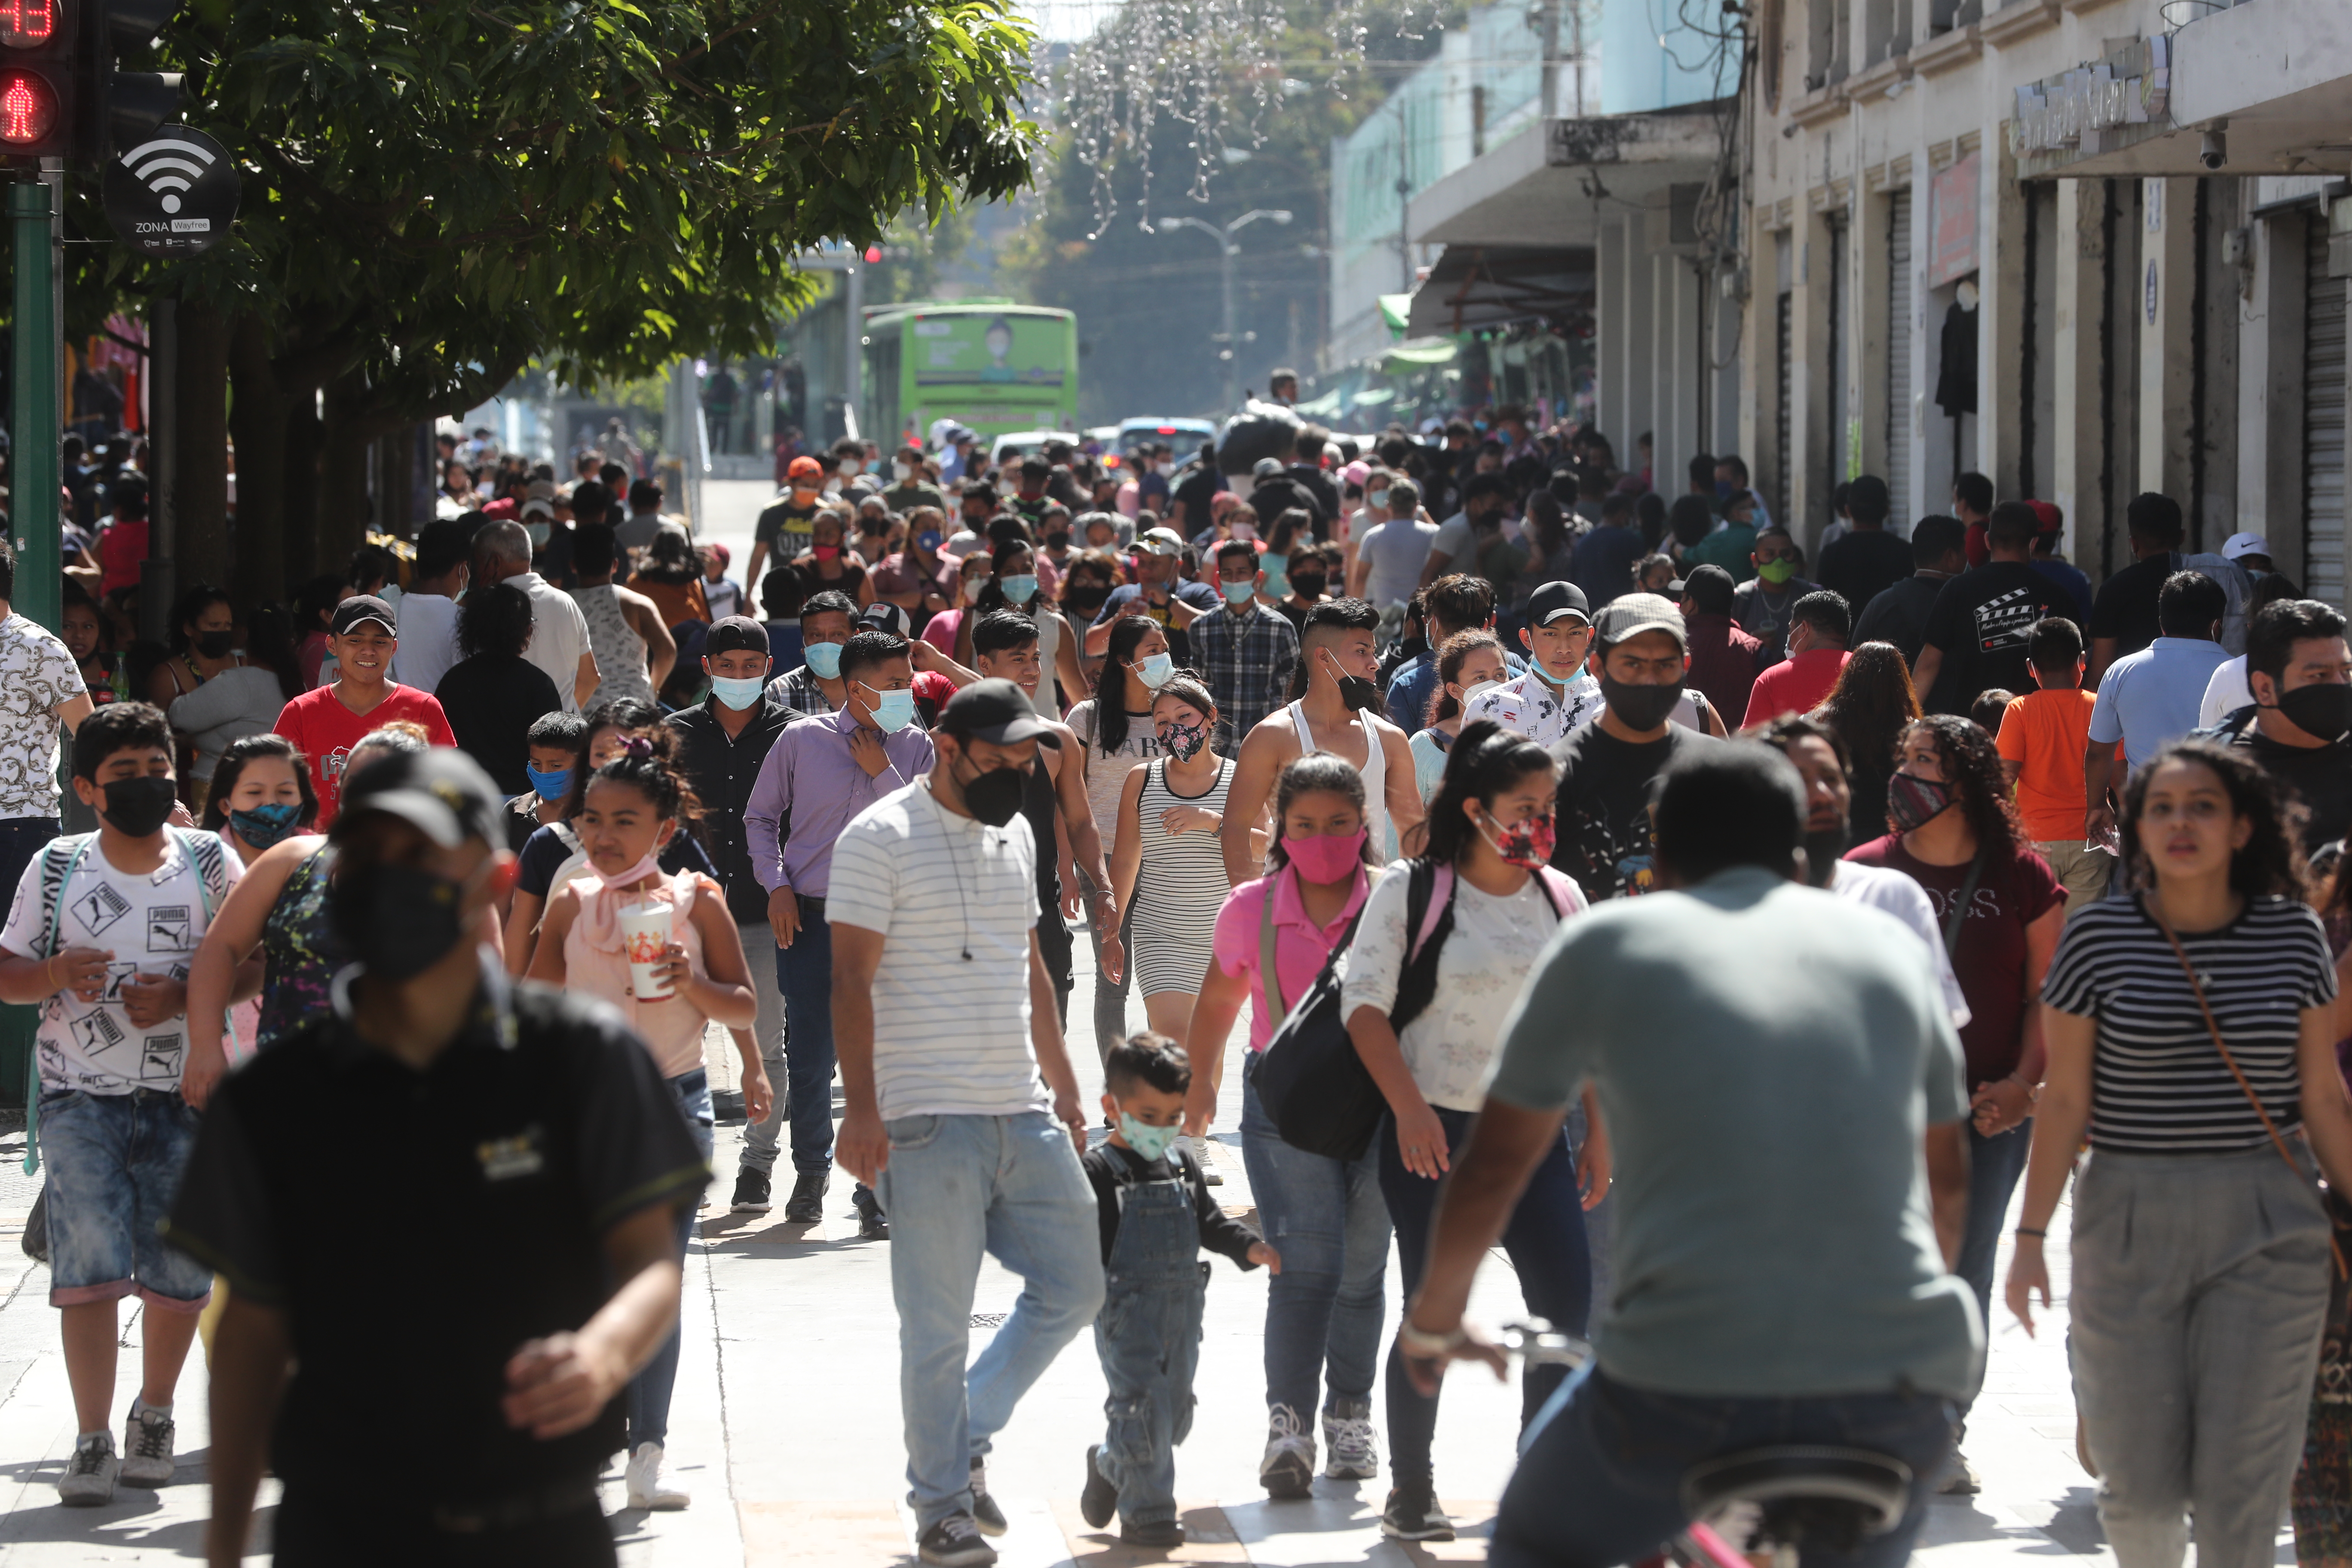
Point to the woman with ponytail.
(631, 808)
(1427, 1003)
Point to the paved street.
(786, 1422)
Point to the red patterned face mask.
(1528, 844)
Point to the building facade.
(2086, 247)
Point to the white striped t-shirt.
(2157, 1084)
(950, 1033)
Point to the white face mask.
(1476, 686)
(1377, 500)
(903, 470)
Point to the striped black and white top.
(954, 901)
(2158, 1085)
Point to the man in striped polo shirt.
(962, 1110)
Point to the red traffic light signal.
(873, 254)
(28, 110)
(27, 24)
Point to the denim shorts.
(115, 1162)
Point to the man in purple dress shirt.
(821, 773)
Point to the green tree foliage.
(436, 194)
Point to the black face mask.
(1358, 693)
(994, 796)
(1640, 707)
(139, 806)
(216, 645)
(1306, 585)
(1059, 540)
(2322, 710)
(1084, 598)
(397, 921)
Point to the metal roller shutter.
(2322, 421)
(1900, 329)
(1835, 447)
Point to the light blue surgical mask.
(545, 784)
(893, 710)
(738, 691)
(1277, 577)
(1156, 670)
(1149, 1142)
(1239, 593)
(1020, 587)
(823, 660)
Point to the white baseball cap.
(2239, 544)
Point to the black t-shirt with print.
(1981, 621)
(1602, 810)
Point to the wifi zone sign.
(172, 195)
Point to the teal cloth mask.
(1150, 1142)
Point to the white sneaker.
(643, 1479)
(1287, 1468)
(1348, 1439)
(90, 1474)
(1200, 1147)
(147, 1448)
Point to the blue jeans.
(1148, 1337)
(1545, 1239)
(957, 1186)
(1601, 1472)
(1994, 1165)
(760, 1138)
(649, 1391)
(115, 1164)
(804, 974)
(1328, 1220)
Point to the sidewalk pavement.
(786, 1430)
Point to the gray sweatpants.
(760, 957)
(2199, 1291)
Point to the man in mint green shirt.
(1731, 546)
(1781, 1087)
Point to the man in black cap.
(326, 722)
(1557, 694)
(495, 1260)
(960, 1106)
(722, 741)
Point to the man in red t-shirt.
(326, 722)
(1819, 624)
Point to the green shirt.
(1768, 1058)
(1729, 547)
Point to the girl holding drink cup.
(663, 948)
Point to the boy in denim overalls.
(1157, 1215)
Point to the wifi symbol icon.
(168, 166)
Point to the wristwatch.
(1422, 1346)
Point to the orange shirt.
(2046, 732)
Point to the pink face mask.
(1329, 859)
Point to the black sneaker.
(955, 1542)
(1161, 1532)
(1099, 1500)
(1413, 1514)
(984, 1511)
(751, 1192)
(806, 1205)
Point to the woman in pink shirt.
(1323, 1310)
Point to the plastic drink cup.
(645, 935)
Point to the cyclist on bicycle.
(1789, 1157)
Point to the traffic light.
(119, 108)
(37, 63)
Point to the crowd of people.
(1623, 856)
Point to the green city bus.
(995, 367)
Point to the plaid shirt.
(797, 689)
(1247, 661)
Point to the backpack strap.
(1438, 897)
(54, 878)
(1565, 898)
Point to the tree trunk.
(258, 420)
(343, 439)
(201, 495)
(306, 554)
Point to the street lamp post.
(1226, 251)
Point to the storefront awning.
(1396, 309)
(1418, 354)
(1490, 285)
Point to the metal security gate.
(1780, 415)
(1900, 329)
(2322, 420)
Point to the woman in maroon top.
(1952, 828)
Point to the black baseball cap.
(441, 790)
(363, 607)
(1710, 588)
(884, 615)
(1553, 600)
(997, 712)
(735, 634)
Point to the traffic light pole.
(33, 429)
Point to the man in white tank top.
(1340, 713)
